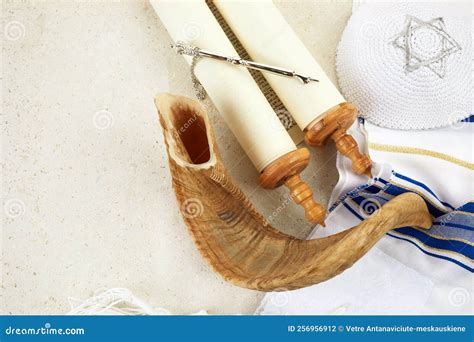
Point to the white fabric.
(365, 289)
(394, 277)
(453, 182)
(372, 63)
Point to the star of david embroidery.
(426, 44)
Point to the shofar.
(234, 238)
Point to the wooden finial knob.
(302, 194)
(346, 144)
(334, 125)
(286, 170)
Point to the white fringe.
(115, 301)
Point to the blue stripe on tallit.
(469, 119)
(374, 188)
(468, 207)
(447, 230)
(452, 232)
(423, 186)
(383, 181)
(353, 211)
(454, 225)
(452, 245)
(454, 261)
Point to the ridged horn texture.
(234, 238)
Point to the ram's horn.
(234, 238)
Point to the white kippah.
(408, 65)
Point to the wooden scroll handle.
(334, 125)
(285, 170)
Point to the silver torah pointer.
(185, 49)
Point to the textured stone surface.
(87, 200)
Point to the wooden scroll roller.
(318, 108)
(234, 238)
(285, 170)
(334, 124)
(241, 103)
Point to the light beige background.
(86, 195)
